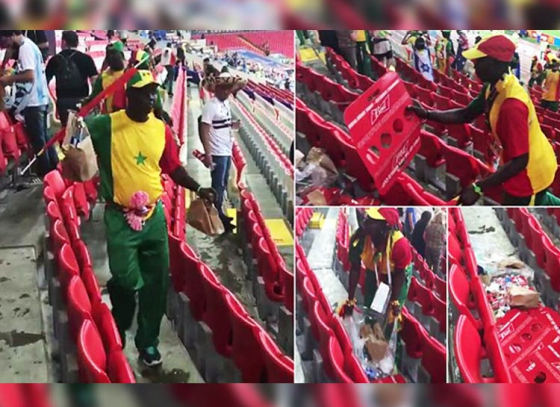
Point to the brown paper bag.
(205, 218)
(317, 198)
(318, 157)
(80, 163)
(521, 297)
(376, 349)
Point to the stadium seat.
(460, 293)
(434, 360)
(92, 287)
(411, 335)
(193, 282)
(337, 361)
(279, 367)
(79, 306)
(468, 350)
(119, 369)
(68, 266)
(107, 328)
(92, 358)
(245, 342)
(82, 254)
(216, 308)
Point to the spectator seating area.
(269, 141)
(470, 145)
(325, 341)
(281, 42)
(280, 98)
(14, 150)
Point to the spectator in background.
(39, 37)
(463, 46)
(434, 238)
(167, 60)
(551, 85)
(217, 139)
(329, 38)
(116, 64)
(363, 53)
(417, 239)
(422, 59)
(347, 44)
(32, 97)
(445, 53)
(381, 46)
(409, 222)
(73, 70)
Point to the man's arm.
(398, 277)
(510, 170)
(456, 116)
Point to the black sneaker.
(151, 357)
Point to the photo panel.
(427, 118)
(371, 304)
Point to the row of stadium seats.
(280, 42)
(475, 335)
(74, 291)
(338, 146)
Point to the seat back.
(92, 358)
(107, 328)
(79, 306)
(468, 350)
(279, 367)
(119, 369)
(434, 360)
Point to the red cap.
(391, 216)
(498, 46)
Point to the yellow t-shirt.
(551, 87)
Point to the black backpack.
(68, 76)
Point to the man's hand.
(207, 194)
(418, 110)
(208, 161)
(236, 125)
(469, 196)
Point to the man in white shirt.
(32, 99)
(217, 138)
(168, 61)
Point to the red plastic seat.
(245, 343)
(308, 295)
(465, 167)
(425, 97)
(8, 143)
(431, 149)
(68, 266)
(79, 306)
(441, 288)
(337, 361)
(55, 181)
(288, 290)
(119, 369)
(460, 133)
(92, 287)
(279, 367)
(468, 350)
(193, 282)
(460, 292)
(216, 307)
(434, 360)
(68, 208)
(269, 270)
(496, 357)
(440, 313)
(552, 266)
(107, 328)
(92, 358)
(425, 299)
(411, 334)
(82, 255)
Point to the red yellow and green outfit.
(444, 56)
(132, 157)
(551, 94)
(397, 256)
(515, 127)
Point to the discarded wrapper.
(521, 297)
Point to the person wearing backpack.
(73, 70)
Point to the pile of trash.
(375, 353)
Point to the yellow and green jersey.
(132, 156)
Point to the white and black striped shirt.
(217, 114)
